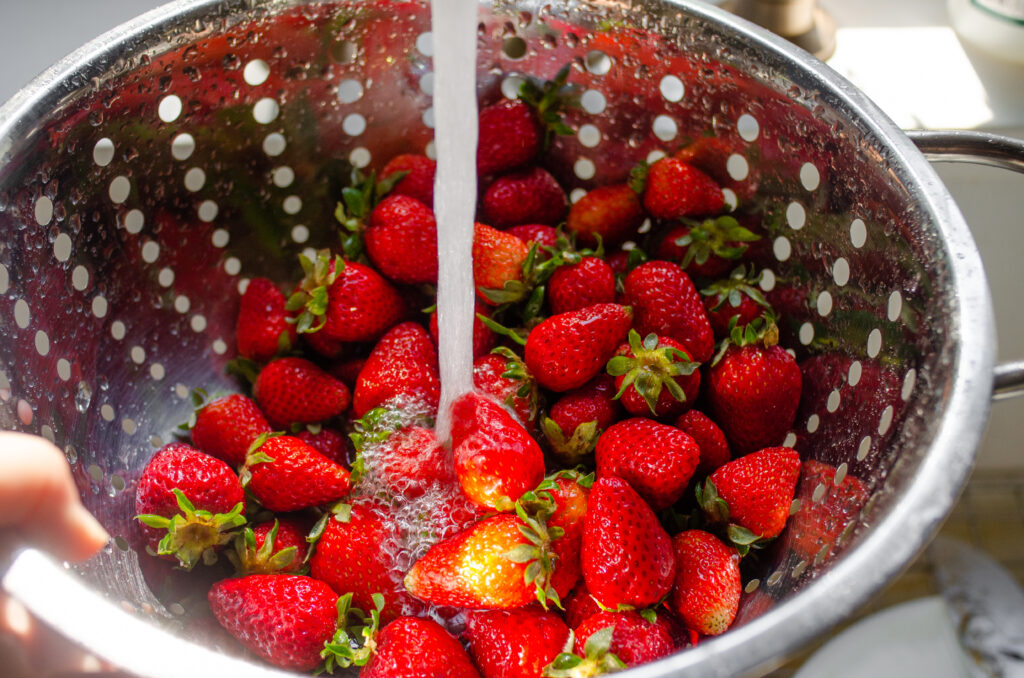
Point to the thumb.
(39, 499)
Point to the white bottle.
(994, 26)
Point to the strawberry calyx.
(310, 300)
(355, 641)
(638, 177)
(254, 456)
(718, 236)
(538, 556)
(573, 449)
(731, 290)
(551, 99)
(341, 511)
(516, 370)
(716, 512)
(248, 559)
(650, 368)
(194, 535)
(357, 201)
(597, 660)
(759, 331)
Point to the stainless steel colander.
(144, 178)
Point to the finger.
(39, 499)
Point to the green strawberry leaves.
(551, 99)
(650, 368)
(194, 535)
(597, 660)
(353, 643)
(716, 512)
(731, 290)
(248, 559)
(571, 450)
(311, 298)
(718, 236)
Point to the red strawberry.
(674, 189)
(528, 196)
(541, 234)
(734, 297)
(821, 518)
(285, 619)
(329, 442)
(654, 377)
(509, 136)
(707, 589)
(611, 212)
(515, 643)
(754, 491)
(412, 460)
(418, 182)
(567, 350)
(714, 448)
(496, 460)
(577, 419)
(754, 390)
(286, 474)
(294, 390)
(271, 547)
(484, 567)
(635, 640)
(576, 286)
(401, 240)
(656, 460)
(263, 328)
(346, 370)
(483, 337)
(707, 249)
(562, 501)
(580, 605)
(498, 259)
(226, 427)
(626, 554)
(503, 376)
(410, 647)
(402, 367)
(357, 552)
(666, 303)
(359, 305)
(188, 502)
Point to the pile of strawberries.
(621, 454)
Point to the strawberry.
(483, 337)
(541, 234)
(754, 388)
(709, 248)
(357, 550)
(567, 350)
(418, 181)
(402, 368)
(515, 643)
(611, 213)
(226, 427)
(286, 474)
(345, 300)
(412, 460)
(346, 370)
(561, 499)
(487, 566)
(655, 377)
(503, 376)
(815, 527)
(188, 502)
(263, 329)
(294, 390)
(285, 619)
(496, 460)
(509, 136)
(666, 303)
(401, 240)
(580, 605)
(271, 547)
(626, 554)
(754, 492)
(576, 419)
(711, 156)
(498, 259)
(576, 286)
(656, 460)
(410, 647)
(714, 448)
(707, 589)
(674, 189)
(734, 297)
(635, 640)
(527, 196)
(596, 659)
(327, 441)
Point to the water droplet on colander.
(231, 62)
(83, 396)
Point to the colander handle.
(979, 148)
